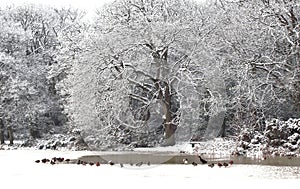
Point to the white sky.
(83, 4)
(89, 5)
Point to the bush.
(278, 138)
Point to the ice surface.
(18, 170)
(184, 146)
(217, 147)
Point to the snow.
(18, 170)
(216, 147)
(184, 146)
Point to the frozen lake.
(176, 158)
(18, 170)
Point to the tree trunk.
(10, 135)
(215, 126)
(169, 126)
(34, 129)
(161, 61)
(1, 132)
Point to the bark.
(1, 132)
(215, 126)
(160, 58)
(10, 135)
(170, 128)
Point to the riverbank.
(216, 148)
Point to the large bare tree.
(146, 64)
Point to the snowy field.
(18, 170)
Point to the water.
(176, 158)
(243, 168)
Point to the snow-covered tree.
(15, 88)
(32, 42)
(260, 59)
(142, 72)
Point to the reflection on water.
(274, 161)
(243, 168)
(176, 158)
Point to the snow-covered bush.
(69, 141)
(278, 138)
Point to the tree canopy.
(150, 72)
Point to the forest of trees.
(149, 72)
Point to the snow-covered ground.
(18, 170)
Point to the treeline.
(33, 40)
(149, 72)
